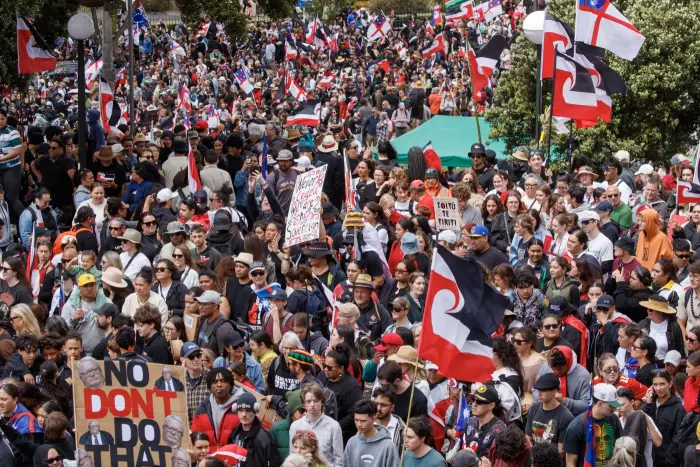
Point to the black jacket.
(627, 301)
(667, 417)
(262, 451)
(158, 349)
(333, 184)
(347, 391)
(15, 367)
(373, 320)
(502, 232)
(674, 335)
(175, 299)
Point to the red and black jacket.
(203, 421)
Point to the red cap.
(201, 125)
(417, 185)
(389, 339)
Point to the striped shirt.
(9, 140)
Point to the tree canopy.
(657, 118)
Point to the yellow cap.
(86, 279)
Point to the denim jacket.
(25, 224)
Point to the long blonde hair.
(625, 453)
(23, 311)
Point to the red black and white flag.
(290, 50)
(328, 80)
(574, 91)
(461, 314)
(556, 35)
(33, 53)
(437, 46)
(483, 63)
(110, 112)
(606, 80)
(687, 192)
(308, 114)
(193, 181)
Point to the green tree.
(402, 6)
(229, 13)
(660, 113)
(50, 17)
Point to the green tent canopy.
(451, 137)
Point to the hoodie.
(667, 417)
(576, 385)
(41, 455)
(378, 449)
(218, 410)
(652, 244)
(217, 421)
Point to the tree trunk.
(107, 54)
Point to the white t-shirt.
(625, 190)
(658, 333)
(139, 261)
(601, 248)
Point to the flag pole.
(571, 143)
(471, 79)
(410, 404)
(551, 110)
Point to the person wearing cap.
(433, 186)
(481, 249)
(447, 239)
(607, 227)
(216, 415)
(477, 153)
(195, 376)
(79, 311)
(661, 325)
(105, 318)
(481, 428)
(133, 260)
(612, 169)
(323, 264)
(673, 359)
(652, 243)
(282, 181)
(175, 163)
(625, 261)
(211, 175)
(599, 246)
(421, 198)
(251, 435)
(233, 344)
(331, 219)
(84, 229)
(548, 419)
(213, 327)
(238, 289)
(163, 208)
(621, 213)
(388, 345)
(277, 321)
(604, 421)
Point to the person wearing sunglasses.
(608, 371)
(197, 388)
(612, 169)
(47, 456)
(644, 351)
(621, 213)
(551, 334)
(150, 243)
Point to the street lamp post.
(81, 28)
(533, 27)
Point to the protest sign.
(304, 218)
(130, 413)
(446, 214)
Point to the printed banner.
(304, 217)
(446, 214)
(130, 413)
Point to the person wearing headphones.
(251, 435)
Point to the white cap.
(164, 195)
(117, 148)
(588, 215)
(430, 366)
(622, 156)
(645, 169)
(606, 393)
(673, 357)
(448, 236)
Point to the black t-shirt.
(19, 293)
(111, 173)
(489, 258)
(606, 432)
(54, 177)
(644, 374)
(419, 406)
(238, 296)
(547, 426)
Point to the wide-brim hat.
(364, 280)
(329, 210)
(521, 154)
(329, 144)
(131, 235)
(105, 154)
(585, 170)
(293, 133)
(319, 249)
(114, 277)
(175, 227)
(661, 307)
(407, 354)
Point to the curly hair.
(506, 353)
(510, 444)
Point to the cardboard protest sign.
(304, 218)
(446, 214)
(130, 413)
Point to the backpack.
(285, 320)
(74, 231)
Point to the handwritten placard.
(446, 214)
(304, 218)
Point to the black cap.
(486, 393)
(627, 244)
(547, 382)
(108, 309)
(233, 339)
(559, 306)
(477, 148)
(605, 301)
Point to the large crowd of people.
(597, 360)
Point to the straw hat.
(658, 303)
(585, 170)
(407, 354)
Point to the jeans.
(11, 179)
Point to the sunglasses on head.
(257, 273)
